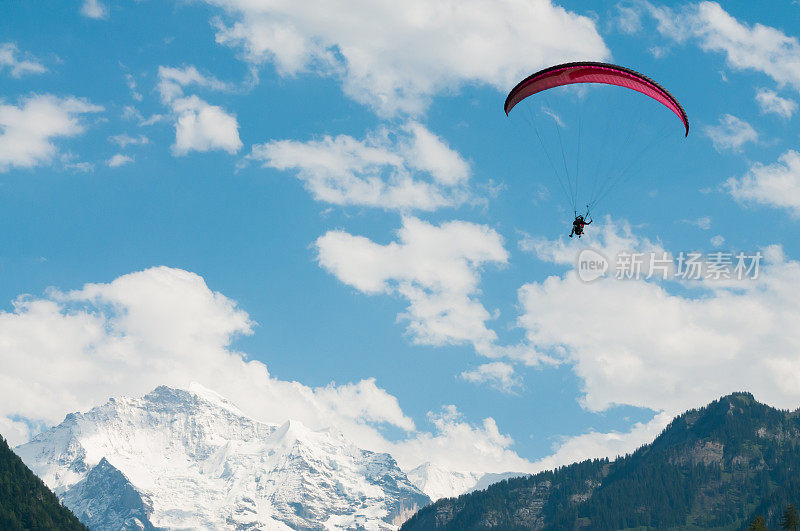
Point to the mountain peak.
(188, 458)
(190, 396)
(291, 431)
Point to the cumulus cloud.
(731, 133)
(497, 374)
(119, 160)
(757, 48)
(27, 130)
(394, 56)
(435, 268)
(610, 236)
(454, 438)
(770, 102)
(17, 63)
(94, 9)
(594, 444)
(71, 350)
(199, 126)
(776, 185)
(204, 127)
(638, 342)
(412, 169)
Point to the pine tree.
(758, 524)
(791, 519)
(25, 502)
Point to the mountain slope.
(106, 499)
(716, 466)
(25, 502)
(191, 459)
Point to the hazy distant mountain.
(191, 459)
(438, 482)
(712, 467)
(25, 502)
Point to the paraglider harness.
(580, 223)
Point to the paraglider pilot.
(578, 225)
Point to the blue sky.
(204, 137)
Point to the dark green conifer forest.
(25, 502)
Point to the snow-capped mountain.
(180, 459)
(438, 482)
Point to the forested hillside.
(714, 467)
(25, 502)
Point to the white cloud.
(770, 102)
(628, 19)
(731, 134)
(454, 439)
(412, 169)
(609, 236)
(127, 140)
(394, 56)
(776, 184)
(131, 82)
(69, 351)
(17, 66)
(204, 127)
(129, 112)
(152, 119)
(172, 81)
(703, 223)
(717, 240)
(119, 160)
(199, 126)
(94, 9)
(595, 445)
(435, 268)
(69, 161)
(27, 131)
(497, 374)
(635, 342)
(758, 47)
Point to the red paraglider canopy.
(591, 72)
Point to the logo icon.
(591, 265)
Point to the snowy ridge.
(438, 482)
(190, 459)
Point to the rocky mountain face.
(178, 459)
(25, 502)
(714, 467)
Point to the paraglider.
(578, 225)
(599, 74)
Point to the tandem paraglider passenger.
(608, 82)
(578, 225)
